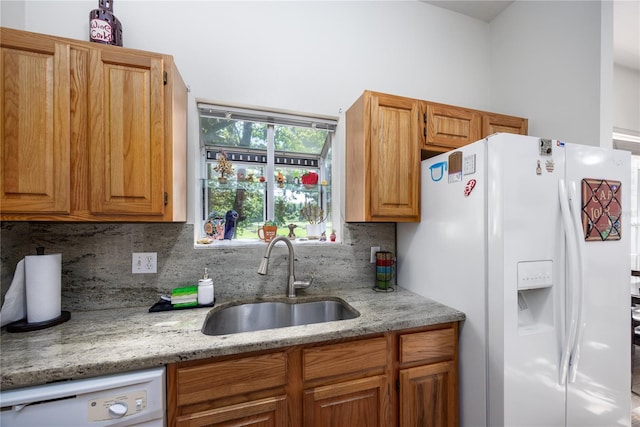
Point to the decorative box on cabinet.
(90, 132)
(383, 159)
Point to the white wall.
(546, 65)
(626, 106)
(12, 13)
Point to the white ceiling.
(626, 23)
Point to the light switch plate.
(469, 164)
(374, 249)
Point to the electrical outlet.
(374, 249)
(144, 262)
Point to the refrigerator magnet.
(455, 166)
(469, 187)
(601, 209)
(437, 171)
(545, 146)
(549, 166)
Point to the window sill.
(223, 244)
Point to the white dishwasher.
(134, 398)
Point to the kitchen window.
(263, 166)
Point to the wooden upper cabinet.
(494, 123)
(451, 127)
(383, 159)
(447, 127)
(35, 125)
(127, 133)
(90, 132)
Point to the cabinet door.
(395, 158)
(269, 412)
(428, 396)
(451, 127)
(35, 125)
(127, 149)
(494, 123)
(357, 403)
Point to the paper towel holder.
(24, 326)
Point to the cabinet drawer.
(230, 377)
(342, 359)
(428, 346)
(271, 411)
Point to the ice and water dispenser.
(535, 296)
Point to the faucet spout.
(292, 283)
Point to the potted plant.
(223, 167)
(315, 217)
(268, 231)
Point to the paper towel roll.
(43, 279)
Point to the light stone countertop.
(102, 342)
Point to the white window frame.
(274, 117)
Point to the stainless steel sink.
(258, 316)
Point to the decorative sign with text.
(601, 209)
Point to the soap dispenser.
(205, 289)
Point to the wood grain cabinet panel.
(451, 127)
(356, 403)
(428, 396)
(383, 159)
(344, 359)
(127, 133)
(90, 132)
(428, 347)
(269, 412)
(230, 377)
(35, 125)
(494, 123)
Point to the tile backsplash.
(96, 261)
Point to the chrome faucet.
(292, 283)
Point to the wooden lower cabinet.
(357, 403)
(428, 395)
(396, 379)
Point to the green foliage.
(248, 199)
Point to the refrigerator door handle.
(572, 309)
(578, 281)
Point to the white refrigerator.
(529, 237)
